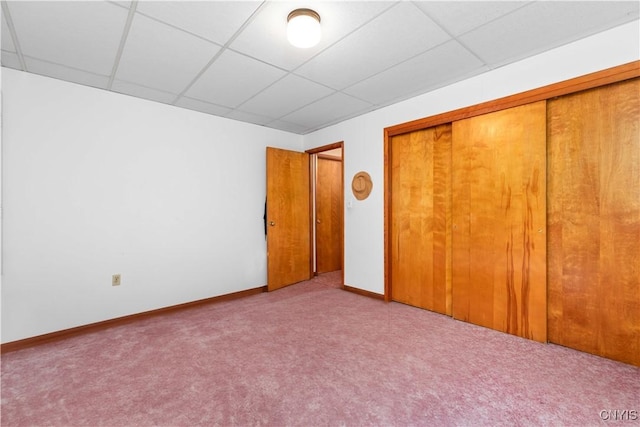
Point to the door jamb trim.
(317, 150)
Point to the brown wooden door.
(420, 218)
(594, 221)
(499, 221)
(288, 218)
(328, 214)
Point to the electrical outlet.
(115, 280)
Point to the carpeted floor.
(311, 355)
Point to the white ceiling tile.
(214, 20)
(204, 107)
(61, 72)
(80, 34)
(7, 40)
(379, 45)
(288, 127)
(159, 56)
(544, 25)
(442, 65)
(243, 116)
(142, 92)
(10, 59)
(233, 78)
(327, 111)
(125, 4)
(458, 17)
(285, 96)
(375, 53)
(265, 37)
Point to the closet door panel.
(420, 218)
(499, 220)
(594, 221)
(442, 217)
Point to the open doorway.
(327, 200)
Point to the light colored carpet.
(309, 355)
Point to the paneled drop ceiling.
(232, 59)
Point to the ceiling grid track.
(219, 53)
(14, 36)
(232, 59)
(123, 41)
(293, 71)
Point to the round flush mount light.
(303, 28)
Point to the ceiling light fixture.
(303, 28)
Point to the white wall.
(97, 183)
(363, 136)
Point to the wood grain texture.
(499, 221)
(363, 292)
(588, 81)
(594, 221)
(289, 210)
(420, 218)
(328, 147)
(328, 214)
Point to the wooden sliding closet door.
(594, 221)
(499, 221)
(420, 219)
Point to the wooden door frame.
(318, 150)
(589, 81)
(320, 186)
